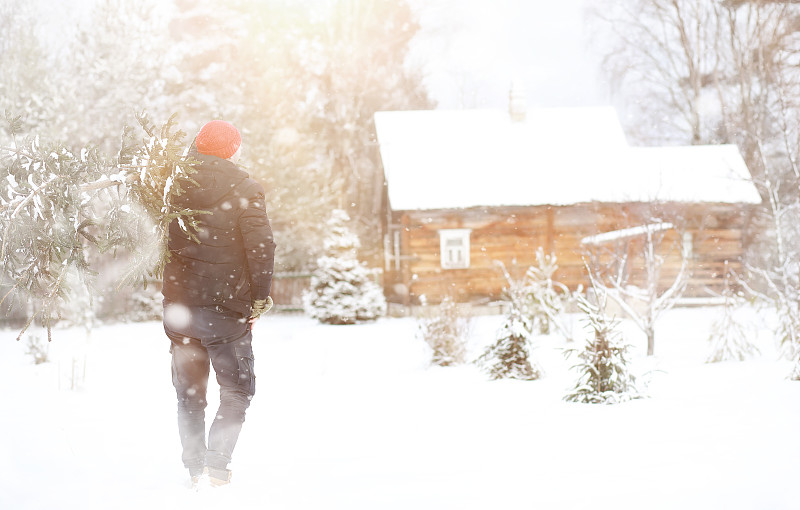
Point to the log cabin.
(470, 188)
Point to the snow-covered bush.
(342, 290)
(603, 363)
(786, 302)
(509, 357)
(538, 297)
(37, 348)
(545, 297)
(728, 336)
(781, 294)
(794, 375)
(145, 304)
(77, 308)
(446, 333)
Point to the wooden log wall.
(511, 235)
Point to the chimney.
(517, 106)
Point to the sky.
(470, 51)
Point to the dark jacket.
(232, 264)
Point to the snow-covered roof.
(437, 159)
(694, 173)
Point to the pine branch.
(19, 207)
(102, 184)
(9, 293)
(27, 199)
(60, 229)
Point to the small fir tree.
(603, 366)
(446, 333)
(787, 303)
(728, 336)
(794, 375)
(342, 290)
(37, 348)
(509, 357)
(145, 305)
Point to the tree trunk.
(651, 341)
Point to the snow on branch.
(645, 303)
(59, 210)
(625, 233)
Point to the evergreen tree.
(342, 291)
(445, 333)
(604, 374)
(795, 373)
(509, 357)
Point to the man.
(215, 287)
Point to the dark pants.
(203, 337)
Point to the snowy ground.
(351, 417)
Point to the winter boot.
(212, 479)
(195, 475)
(218, 477)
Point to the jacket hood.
(215, 178)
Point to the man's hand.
(259, 307)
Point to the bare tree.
(777, 278)
(728, 335)
(703, 71)
(540, 298)
(729, 73)
(759, 44)
(644, 302)
(780, 276)
(663, 56)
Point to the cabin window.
(454, 248)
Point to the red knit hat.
(218, 138)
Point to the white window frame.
(452, 256)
